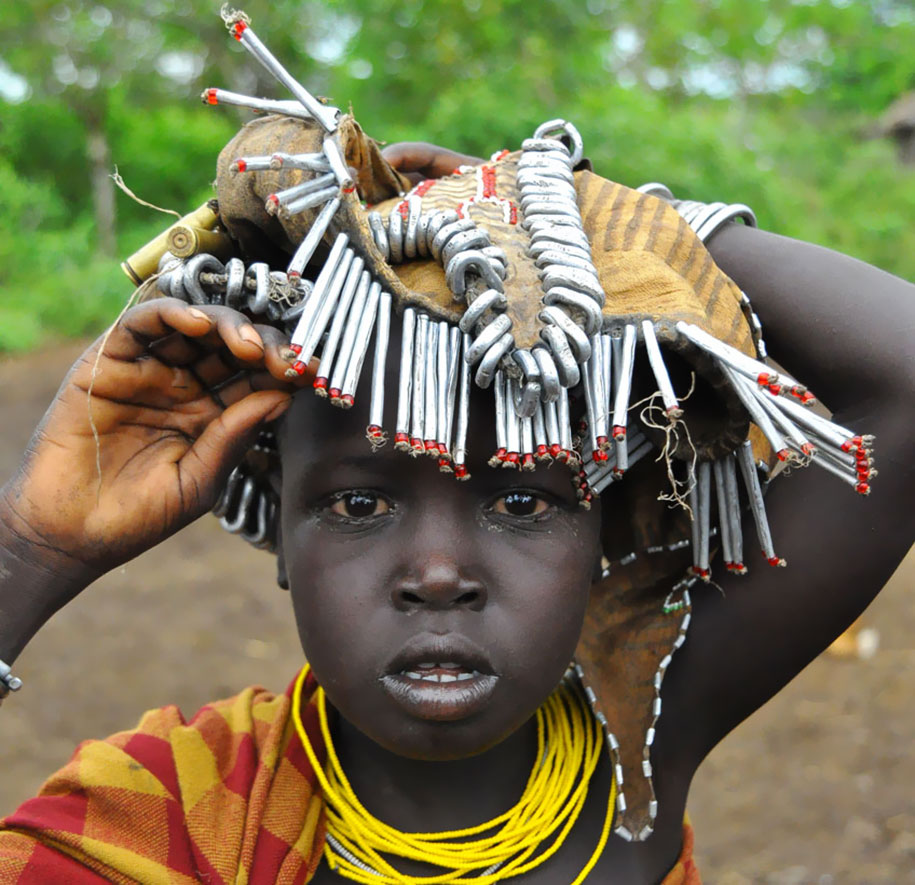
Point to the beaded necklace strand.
(569, 744)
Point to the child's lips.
(440, 694)
(440, 677)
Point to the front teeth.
(440, 677)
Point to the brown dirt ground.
(817, 787)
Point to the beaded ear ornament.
(527, 275)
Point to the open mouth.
(441, 678)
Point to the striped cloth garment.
(228, 797)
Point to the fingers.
(145, 323)
(221, 445)
(425, 159)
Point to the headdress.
(532, 277)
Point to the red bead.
(423, 187)
(444, 465)
(602, 442)
(775, 389)
(320, 383)
(295, 348)
(460, 472)
(240, 165)
(512, 213)
(513, 457)
(374, 431)
(775, 560)
(349, 190)
(555, 450)
(404, 209)
(430, 446)
(862, 488)
(808, 449)
(762, 379)
(334, 393)
(299, 367)
(782, 454)
(239, 29)
(401, 438)
(618, 433)
(807, 398)
(211, 96)
(347, 399)
(528, 460)
(542, 451)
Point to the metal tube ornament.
(375, 429)
(337, 326)
(405, 382)
(241, 29)
(417, 424)
(348, 342)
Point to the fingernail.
(278, 409)
(198, 314)
(249, 334)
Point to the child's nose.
(439, 584)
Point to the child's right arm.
(176, 398)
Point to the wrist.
(36, 580)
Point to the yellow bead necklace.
(569, 744)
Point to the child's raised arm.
(846, 329)
(176, 398)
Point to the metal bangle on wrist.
(703, 218)
(8, 682)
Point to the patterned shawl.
(228, 797)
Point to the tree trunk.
(103, 194)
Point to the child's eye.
(520, 504)
(360, 505)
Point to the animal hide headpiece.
(531, 277)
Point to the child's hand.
(179, 394)
(420, 159)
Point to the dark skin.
(516, 582)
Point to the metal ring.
(414, 205)
(526, 398)
(176, 287)
(584, 281)
(259, 299)
(498, 327)
(422, 224)
(228, 492)
(552, 258)
(486, 371)
(559, 233)
(380, 234)
(544, 144)
(474, 238)
(445, 233)
(235, 283)
(567, 367)
(530, 369)
(437, 220)
(549, 374)
(578, 302)
(578, 147)
(490, 298)
(395, 235)
(462, 263)
(236, 522)
(578, 340)
(260, 532)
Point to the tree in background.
(760, 101)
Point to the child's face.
(392, 566)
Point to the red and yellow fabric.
(228, 797)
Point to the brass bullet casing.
(184, 241)
(144, 262)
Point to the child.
(438, 617)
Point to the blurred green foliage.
(769, 102)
